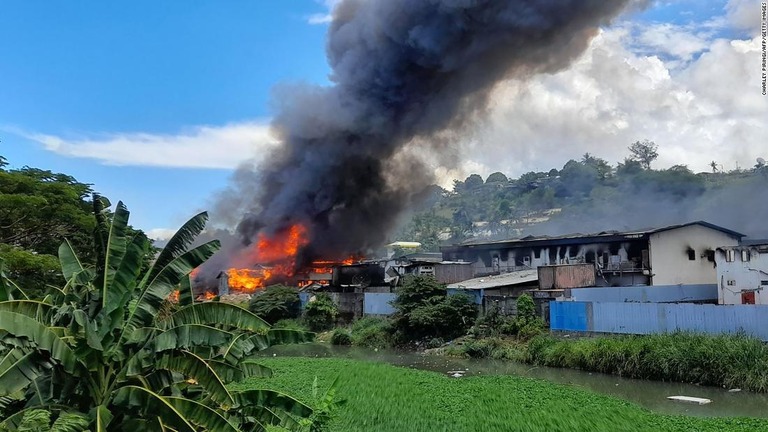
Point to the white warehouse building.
(742, 273)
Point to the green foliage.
(644, 152)
(341, 337)
(372, 332)
(275, 303)
(425, 311)
(385, 398)
(727, 361)
(496, 177)
(105, 351)
(33, 272)
(320, 313)
(290, 324)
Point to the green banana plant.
(100, 349)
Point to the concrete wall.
(669, 255)
(650, 318)
(645, 294)
(747, 273)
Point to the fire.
(173, 297)
(278, 255)
(209, 295)
(248, 280)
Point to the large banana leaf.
(193, 366)
(116, 247)
(271, 399)
(13, 421)
(151, 402)
(265, 416)
(154, 294)
(243, 345)
(18, 369)
(216, 313)
(22, 325)
(186, 296)
(70, 263)
(201, 415)
(123, 282)
(240, 371)
(191, 335)
(102, 417)
(32, 308)
(177, 245)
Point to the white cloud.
(326, 17)
(222, 147)
(744, 14)
(700, 102)
(161, 234)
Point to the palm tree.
(99, 350)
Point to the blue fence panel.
(568, 316)
(646, 294)
(378, 303)
(649, 318)
(304, 297)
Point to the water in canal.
(649, 394)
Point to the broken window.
(710, 255)
(691, 254)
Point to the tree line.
(588, 193)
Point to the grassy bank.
(386, 398)
(723, 361)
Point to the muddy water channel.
(649, 394)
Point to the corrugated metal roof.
(504, 279)
(594, 237)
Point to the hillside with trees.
(591, 195)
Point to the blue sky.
(155, 102)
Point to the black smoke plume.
(405, 74)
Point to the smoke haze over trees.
(589, 195)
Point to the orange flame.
(278, 252)
(173, 297)
(209, 295)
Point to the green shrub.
(435, 343)
(290, 324)
(275, 303)
(372, 332)
(320, 313)
(425, 311)
(341, 337)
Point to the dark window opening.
(691, 255)
(710, 255)
(589, 257)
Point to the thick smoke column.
(405, 73)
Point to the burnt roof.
(574, 238)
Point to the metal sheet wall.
(648, 318)
(378, 303)
(646, 294)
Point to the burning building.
(408, 78)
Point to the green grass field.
(381, 397)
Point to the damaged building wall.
(742, 274)
(686, 255)
(623, 255)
